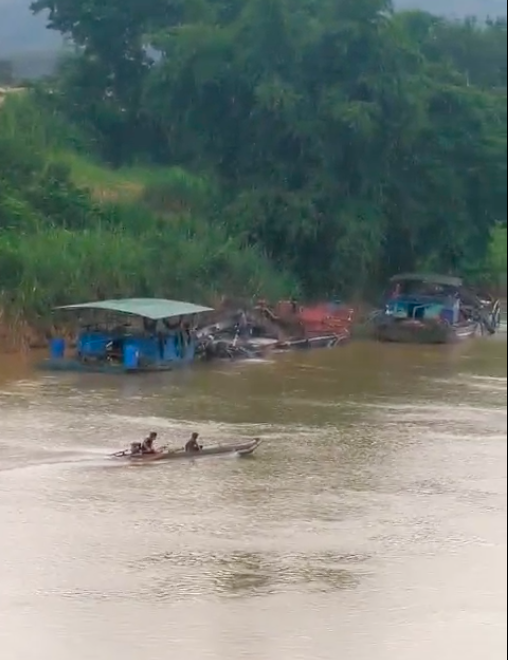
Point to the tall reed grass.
(54, 267)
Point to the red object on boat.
(319, 320)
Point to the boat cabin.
(425, 298)
(419, 284)
(129, 335)
(432, 309)
(420, 309)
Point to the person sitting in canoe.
(192, 447)
(147, 446)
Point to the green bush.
(58, 245)
(178, 189)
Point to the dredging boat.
(166, 454)
(433, 309)
(128, 336)
(257, 332)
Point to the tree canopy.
(349, 141)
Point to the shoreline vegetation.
(268, 148)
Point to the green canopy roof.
(148, 308)
(429, 278)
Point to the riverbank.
(20, 337)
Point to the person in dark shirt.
(192, 447)
(147, 447)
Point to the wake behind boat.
(168, 454)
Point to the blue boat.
(432, 309)
(128, 336)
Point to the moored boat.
(166, 454)
(432, 309)
(325, 341)
(254, 333)
(128, 336)
(327, 319)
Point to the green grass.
(162, 189)
(149, 231)
(25, 117)
(105, 183)
(56, 266)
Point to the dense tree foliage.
(59, 243)
(346, 141)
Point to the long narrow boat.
(240, 449)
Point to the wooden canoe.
(240, 449)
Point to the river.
(370, 525)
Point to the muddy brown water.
(370, 525)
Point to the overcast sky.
(20, 31)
